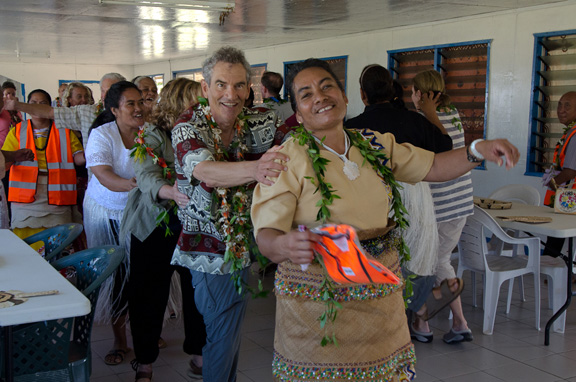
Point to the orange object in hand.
(345, 259)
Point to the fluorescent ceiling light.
(222, 6)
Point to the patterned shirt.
(281, 107)
(201, 246)
(453, 199)
(77, 118)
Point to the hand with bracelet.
(450, 164)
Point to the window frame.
(536, 97)
(438, 66)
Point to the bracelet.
(474, 151)
(471, 157)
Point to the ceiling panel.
(84, 31)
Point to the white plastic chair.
(496, 269)
(556, 273)
(518, 193)
(553, 269)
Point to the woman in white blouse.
(108, 157)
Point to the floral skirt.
(371, 328)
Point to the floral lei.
(377, 159)
(139, 152)
(99, 108)
(233, 212)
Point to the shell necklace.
(351, 169)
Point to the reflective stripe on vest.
(60, 165)
(23, 175)
(550, 194)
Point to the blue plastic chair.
(59, 350)
(56, 239)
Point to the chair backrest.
(519, 193)
(93, 266)
(56, 238)
(473, 246)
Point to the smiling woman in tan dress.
(370, 327)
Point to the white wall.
(46, 76)
(511, 57)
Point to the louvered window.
(465, 70)
(554, 75)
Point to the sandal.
(435, 304)
(140, 374)
(115, 356)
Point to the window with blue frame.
(255, 78)
(464, 67)
(554, 74)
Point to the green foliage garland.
(377, 159)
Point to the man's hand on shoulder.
(269, 166)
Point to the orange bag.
(346, 261)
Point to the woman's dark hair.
(300, 66)
(112, 99)
(398, 100)
(8, 85)
(376, 82)
(42, 91)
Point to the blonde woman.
(77, 94)
(451, 212)
(150, 249)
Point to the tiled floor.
(515, 352)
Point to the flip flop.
(113, 355)
(435, 305)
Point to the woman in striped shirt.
(453, 200)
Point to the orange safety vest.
(60, 164)
(345, 262)
(550, 194)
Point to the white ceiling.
(84, 32)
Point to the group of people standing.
(243, 177)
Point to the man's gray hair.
(227, 54)
(112, 76)
(136, 81)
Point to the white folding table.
(23, 269)
(562, 226)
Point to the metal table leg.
(8, 349)
(569, 263)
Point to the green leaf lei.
(232, 216)
(139, 152)
(377, 159)
(456, 121)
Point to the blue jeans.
(223, 310)
(422, 287)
